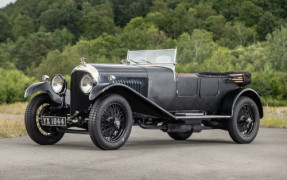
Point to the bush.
(13, 84)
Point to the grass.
(12, 126)
(15, 108)
(12, 119)
(274, 117)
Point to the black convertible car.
(106, 100)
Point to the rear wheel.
(110, 122)
(36, 108)
(244, 125)
(180, 136)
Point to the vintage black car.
(106, 100)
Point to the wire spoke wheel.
(246, 120)
(244, 125)
(40, 106)
(113, 122)
(110, 122)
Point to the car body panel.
(46, 87)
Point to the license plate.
(53, 121)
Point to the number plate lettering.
(53, 121)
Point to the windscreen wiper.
(145, 61)
(134, 61)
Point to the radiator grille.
(79, 100)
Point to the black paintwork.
(156, 91)
(171, 91)
(46, 87)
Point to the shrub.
(13, 84)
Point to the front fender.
(232, 98)
(46, 87)
(137, 101)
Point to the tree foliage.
(49, 36)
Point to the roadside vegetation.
(274, 117)
(12, 125)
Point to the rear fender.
(232, 98)
(46, 87)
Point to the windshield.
(163, 56)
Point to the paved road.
(149, 154)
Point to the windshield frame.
(150, 63)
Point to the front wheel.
(110, 122)
(40, 106)
(244, 125)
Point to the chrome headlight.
(58, 84)
(86, 83)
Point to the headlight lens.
(58, 83)
(87, 84)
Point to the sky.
(3, 3)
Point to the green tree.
(5, 60)
(158, 6)
(57, 62)
(139, 34)
(250, 13)
(221, 60)
(204, 10)
(51, 19)
(125, 10)
(266, 25)
(195, 48)
(30, 52)
(237, 34)
(62, 14)
(215, 24)
(179, 20)
(23, 25)
(228, 8)
(5, 30)
(98, 20)
(277, 48)
(62, 38)
(251, 58)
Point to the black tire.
(110, 122)
(180, 136)
(244, 125)
(41, 135)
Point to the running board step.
(189, 114)
(75, 131)
(203, 117)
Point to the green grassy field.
(12, 119)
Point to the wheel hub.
(249, 121)
(245, 120)
(117, 122)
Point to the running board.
(202, 117)
(74, 131)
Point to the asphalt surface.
(148, 154)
